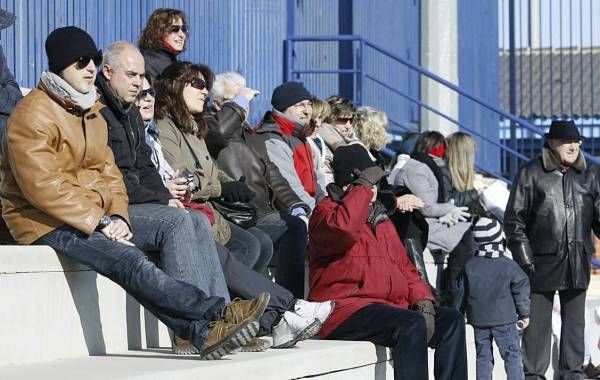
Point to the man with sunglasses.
(60, 187)
(10, 93)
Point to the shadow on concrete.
(382, 363)
(84, 290)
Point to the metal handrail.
(522, 122)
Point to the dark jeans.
(537, 338)
(182, 307)
(404, 331)
(508, 341)
(186, 244)
(289, 236)
(245, 283)
(252, 247)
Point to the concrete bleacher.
(60, 320)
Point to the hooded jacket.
(126, 133)
(549, 221)
(356, 260)
(157, 60)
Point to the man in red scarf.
(285, 130)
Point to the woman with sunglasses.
(163, 39)
(181, 93)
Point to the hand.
(447, 219)
(370, 176)
(460, 214)
(236, 191)
(176, 203)
(425, 307)
(177, 187)
(409, 202)
(524, 323)
(118, 230)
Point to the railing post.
(360, 93)
(512, 69)
(288, 45)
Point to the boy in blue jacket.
(494, 292)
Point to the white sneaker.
(292, 328)
(314, 310)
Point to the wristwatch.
(104, 221)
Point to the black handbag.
(243, 214)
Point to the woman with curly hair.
(163, 39)
(181, 92)
(370, 126)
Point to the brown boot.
(226, 337)
(183, 347)
(240, 310)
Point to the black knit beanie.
(289, 94)
(346, 160)
(64, 46)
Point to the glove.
(447, 219)
(460, 214)
(369, 177)
(236, 191)
(529, 269)
(425, 307)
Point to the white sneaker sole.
(308, 332)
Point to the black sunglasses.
(198, 83)
(177, 28)
(149, 91)
(83, 61)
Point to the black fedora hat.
(563, 130)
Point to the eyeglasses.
(177, 28)
(344, 120)
(198, 83)
(149, 91)
(83, 61)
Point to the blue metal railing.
(510, 157)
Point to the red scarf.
(438, 150)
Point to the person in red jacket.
(358, 261)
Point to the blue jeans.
(185, 240)
(251, 247)
(182, 307)
(507, 340)
(289, 236)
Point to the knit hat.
(488, 236)
(64, 46)
(347, 160)
(289, 94)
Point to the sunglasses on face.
(83, 61)
(177, 28)
(198, 83)
(149, 91)
(344, 120)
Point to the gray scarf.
(63, 90)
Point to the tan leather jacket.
(56, 168)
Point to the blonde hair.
(227, 86)
(321, 109)
(460, 155)
(370, 126)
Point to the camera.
(191, 181)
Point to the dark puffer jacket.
(132, 154)
(549, 220)
(156, 61)
(239, 152)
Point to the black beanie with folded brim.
(64, 46)
(288, 94)
(347, 160)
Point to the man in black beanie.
(62, 188)
(10, 93)
(285, 129)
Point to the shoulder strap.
(196, 160)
